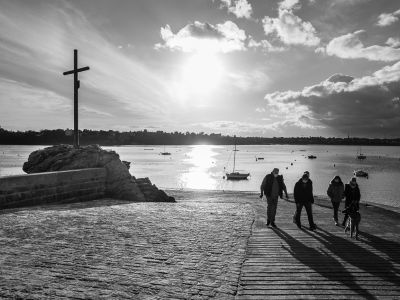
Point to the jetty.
(206, 245)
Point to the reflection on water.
(199, 175)
(202, 167)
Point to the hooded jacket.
(336, 191)
(266, 185)
(352, 194)
(303, 192)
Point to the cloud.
(236, 127)
(37, 105)
(289, 4)
(289, 28)
(204, 37)
(301, 122)
(364, 106)
(295, 127)
(264, 45)
(255, 80)
(37, 43)
(393, 42)
(240, 8)
(350, 46)
(386, 19)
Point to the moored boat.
(360, 155)
(234, 175)
(360, 173)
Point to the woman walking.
(336, 194)
(353, 196)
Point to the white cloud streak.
(37, 46)
(290, 28)
(204, 37)
(393, 42)
(387, 19)
(239, 8)
(349, 46)
(365, 105)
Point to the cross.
(75, 71)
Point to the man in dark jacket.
(273, 187)
(303, 196)
(353, 195)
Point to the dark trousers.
(335, 210)
(299, 207)
(346, 216)
(272, 204)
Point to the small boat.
(360, 173)
(360, 155)
(259, 158)
(148, 149)
(234, 175)
(237, 176)
(165, 152)
(311, 157)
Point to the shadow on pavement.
(322, 262)
(352, 253)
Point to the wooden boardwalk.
(288, 263)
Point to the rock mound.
(120, 184)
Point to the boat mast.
(234, 156)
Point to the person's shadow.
(389, 248)
(350, 252)
(322, 262)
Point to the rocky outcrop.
(120, 184)
(151, 192)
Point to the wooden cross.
(75, 71)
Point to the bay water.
(204, 166)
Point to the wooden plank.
(287, 263)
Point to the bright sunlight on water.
(203, 166)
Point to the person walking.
(353, 195)
(336, 194)
(310, 182)
(273, 187)
(303, 196)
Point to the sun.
(201, 74)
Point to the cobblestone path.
(208, 245)
(109, 249)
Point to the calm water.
(202, 167)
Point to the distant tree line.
(144, 137)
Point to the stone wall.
(52, 187)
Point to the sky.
(244, 67)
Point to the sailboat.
(234, 175)
(360, 155)
(165, 153)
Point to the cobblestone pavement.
(112, 249)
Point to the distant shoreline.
(152, 138)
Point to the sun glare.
(201, 74)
